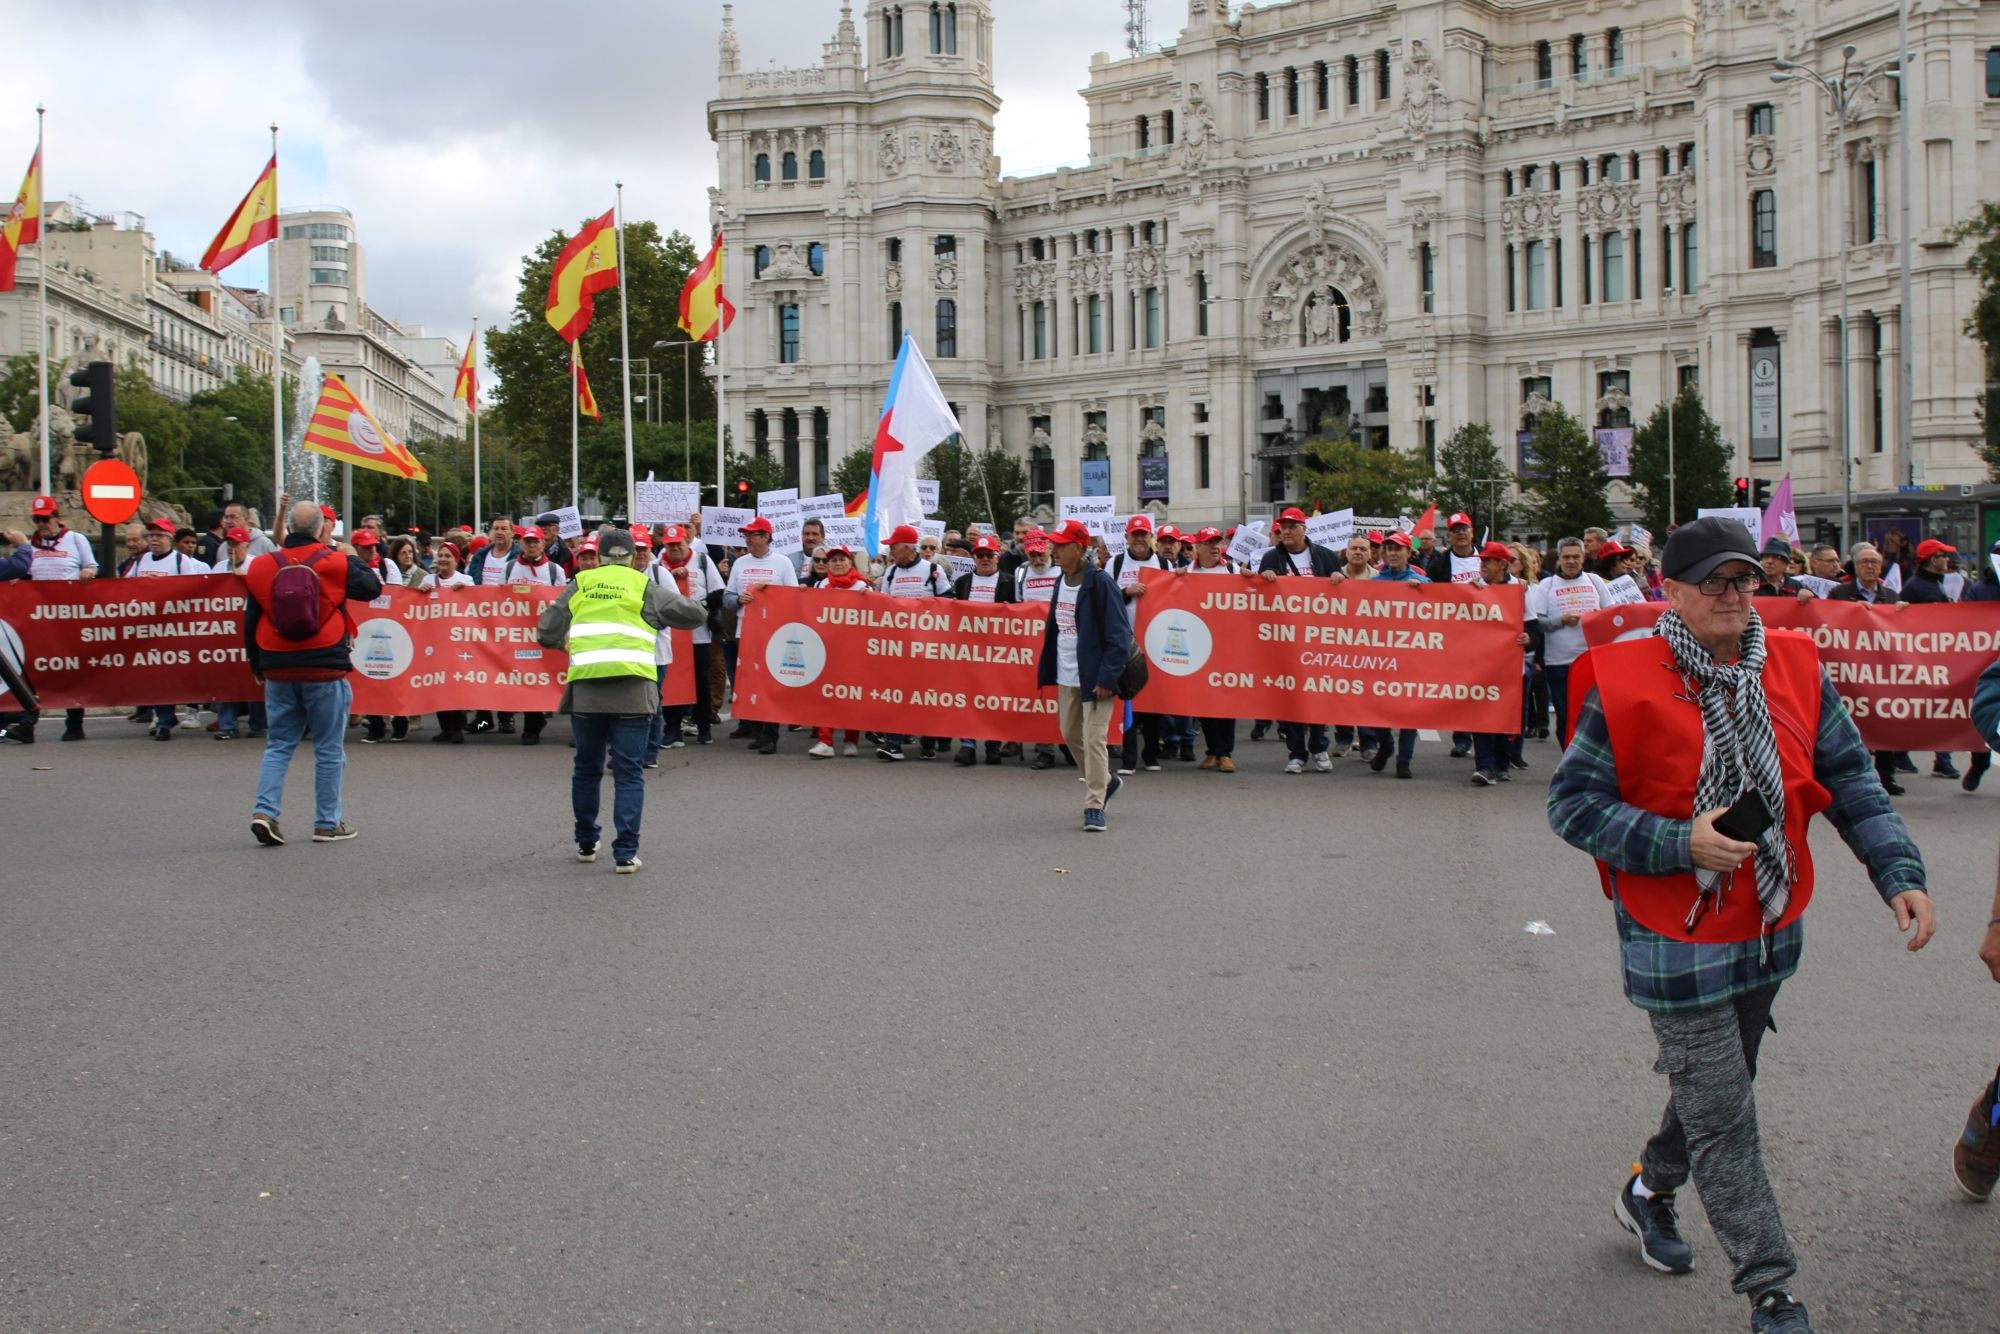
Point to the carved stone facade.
(1401, 220)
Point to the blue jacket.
(17, 564)
(1103, 637)
(1986, 705)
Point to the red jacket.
(326, 656)
(1656, 736)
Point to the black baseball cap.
(1697, 550)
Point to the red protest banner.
(914, 666)
(1906, 673)
(1370, 653)
(119, 643)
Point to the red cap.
(163, 524)
(985, 542)
(479, 542)
(1375, 537)
(1613, 547)
(326, 512)
(238, 534)
(365, 537)
(1496, 551)
(1167, 530)
(760, 524)
(639, 539)
(590, 543)
(1138, 523)
(1397, 540)
(1459, 521)
(673, 532)
(1209, 535)
(1930, 546)
(531, 531)
(1071, 533)
(841, 551)
(903, 533)
(1292, 514)
(1035, 539)
(44, 505)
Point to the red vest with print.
(332, 572)
(1656, 737)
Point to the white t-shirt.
(385, 570)
(1220, 567)
(546, 572)
(1066, 665)
(67, 558)
(1302, 560)
(1127, 567)
(983, 588)
(922, 579)
(1035, 585)
(495, 570)
(224, 565)
(748, 571)
(1564, 644)
(702, 579)
(433, 581)
(1464, 569)
(162, 567)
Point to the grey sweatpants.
(1709, 1057)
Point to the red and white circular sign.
(110, 491)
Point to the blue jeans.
(1558, 679)
(165, 716)
(1492, 751)
(1303, 741)
(292, 707)
(626, 738)
(225, 715)
(1405, 739)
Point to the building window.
(1638, 264)
(761, 172)
(1993, 71)
(895, 328)
(1353, 72)
(816, 259)
(336, 277)
(760, 260)
(1609, 382)
(760, 433)
(1154, 323)
(816, 165)
(1864, 200)
(1292, 91)
(1764, 230)
(1690, 255)
(1145, 133)
(1538, 276)
(1613, 286)
(788, 167)
(1263, 97)
(1382, 76)
(1614, 49)
(1579, 58)
(1322, 86)
(1096, 428)
(1041, 327)
(894, 245)
(1763, 118)
(788, 335)
(945, 249)
(944, 30)
(1167, 125)
(1201, 305)
(1556, 271)
(789, 425)
(1426, 279)
(1545, 63)
(329, 254)
(947, 327)
(1093, 308)
(892, 32)
(1041, 465)
(1513, 296)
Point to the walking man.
(1674, 732)
(1084, 650)
(609, 619)
(300, 642)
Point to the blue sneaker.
(1777, 1313)
(1112, 790)
(1658, 1229)
(1093, 822)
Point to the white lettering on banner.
(768, 500)
(722, 525)
(569, 521)
(1748, 515)
(824, 507)
(1623, 589)
(1464, 569)
(1331, 530)
(927, 495)
(665, 502)
(1097, 513)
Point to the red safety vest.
(334, 622)
(1656, 738)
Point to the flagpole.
(624, 366)
(277, 359)
(575, 417)
(720, 375)
(478, 512)
(42, 264)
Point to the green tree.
(532, 400)
(1337, 472)
(851, 474)
(1570, 492)
(1701, 464)
(1468, 461)
(1983, 230)
(19, 404)
(988, 486)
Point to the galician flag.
(1781, 519)
(915, 420)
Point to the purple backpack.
(297, 600)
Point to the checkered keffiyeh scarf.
(1739, 750)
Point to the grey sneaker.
(1779, 1313)
(1295, 766)
(340, 833)
(1656, 1225)
(627, 868)
(1322, 762)
(265, 827)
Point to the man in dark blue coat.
(1085, 647)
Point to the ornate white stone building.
(1413, 216)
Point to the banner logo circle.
(796, 654)
(1178, 642)
(383, 650)
(362, 432)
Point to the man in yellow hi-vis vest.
(609, 620)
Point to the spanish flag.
(254, 222)
(586, 402)
(587, 265)
(705, 311)
(341, 428)
(466, 391)
(24, 222)
(858, 507)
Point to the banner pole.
(277, 357)
(42, 342)
(478, 511)
(624, 366)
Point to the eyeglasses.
(1712, 586)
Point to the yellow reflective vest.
(608, 634)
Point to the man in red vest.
(1697, 758)
(301, 651)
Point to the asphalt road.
(900, 1048)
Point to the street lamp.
(1843, 94)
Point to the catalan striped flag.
(705, 311)
(254, 222)
(342, 428)
(24, 222)
(586, 402)
(587, 265)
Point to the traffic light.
(98, 404)
(1742, 492)
(742, 487)
(1760, 491)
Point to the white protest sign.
(1892, 575)
(1954, 585)
(927, 494)
(1820, 587)
(786, 526)
(844, 532)
(1748, 515)
(1641, 537)
(569, 523)
(767, 499)
(1574, 599)
(1378, 522)
(1249, 544)
(960, 565)
(721, 526)
(1097, 513)
(666, 502)
(1406, 525)
(1331, 530)
(1996, 565)
(933, 529)
(824, 507)
(1623, 589)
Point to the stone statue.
(1422, 89)
(1322, 316)
(65, 392)
(1197, 128)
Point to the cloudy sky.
(458, 133)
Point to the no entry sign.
(110, 491)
